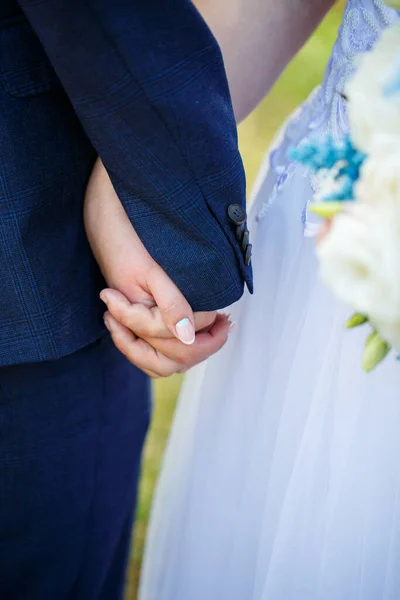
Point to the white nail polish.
(185, 331)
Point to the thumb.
(175, 310)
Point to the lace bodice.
(325, 111)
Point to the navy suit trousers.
(71, 437)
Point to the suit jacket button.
(247, 257)
(237, 214)
(245, 240)
(240, 229)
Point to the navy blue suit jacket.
(142, 84)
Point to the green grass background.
(301, 76)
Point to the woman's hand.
(140, 333)
(149, 319)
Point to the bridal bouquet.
(359, 251)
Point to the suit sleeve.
(147, 80)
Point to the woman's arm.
(258, 38)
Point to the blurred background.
(255, 134)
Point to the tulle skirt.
(281, 480)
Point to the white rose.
(379, 180)
(360, 262)
(370, 111)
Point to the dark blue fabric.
(71, 436)
(147, 81)
(49, 304)
(9, 9)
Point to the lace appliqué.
(325, 110)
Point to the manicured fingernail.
(107, 323)
(185, 332)
(104, 297)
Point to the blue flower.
(327, 154)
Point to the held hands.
(140, 333)
(148, 317)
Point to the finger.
(145, 321)
(203, 321)
(205, 345)
(139, 352)
(175, 310)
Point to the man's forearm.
(258, 38)
(147, 81)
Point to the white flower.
(370, 111)
(328, 184)
(379, 180)
(360, 262)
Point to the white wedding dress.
(281, 480)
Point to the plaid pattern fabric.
(142, 84)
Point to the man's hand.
(149, 319)
(140, 333)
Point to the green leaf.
(327, 210)
(356, 320)
(376, 349)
